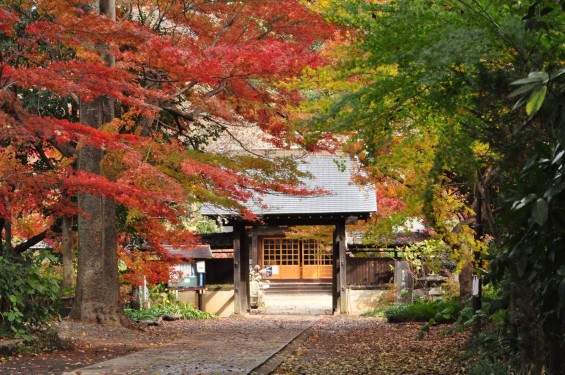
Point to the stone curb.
(274, 361)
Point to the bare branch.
(30, 242)
(65, 149)
(189, 116)
(182, 91)
(221, 87)
(43, 156)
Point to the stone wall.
(363, 300)
(217, 301)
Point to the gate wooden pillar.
(240, 269)
(254, 247)
(339, 279)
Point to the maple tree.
(122, 111)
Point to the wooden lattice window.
(281, 251)
(315, 254)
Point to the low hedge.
(184, 310)
(439, 311)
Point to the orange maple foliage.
(183, 71)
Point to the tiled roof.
(198, 252)
(329, 172)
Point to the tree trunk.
(98, 290)
(466, 282)
(7, 225)
(68, 270)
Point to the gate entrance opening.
(292, 259)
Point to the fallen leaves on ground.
(334, 345)
(372, 346)
(92, 343)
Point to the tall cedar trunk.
(98, 290)
(67, 235)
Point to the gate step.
(290, 287)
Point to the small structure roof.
(330, 173)
(198, 252)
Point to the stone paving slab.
(222, 349)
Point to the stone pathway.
(319, 303)
(237, 348)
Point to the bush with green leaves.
(29, 295)
(423, 311)
(185, 311)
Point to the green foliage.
(530, 263)
(495, 350)
(424, 115)
(376, 312)
(28, 295)
(484, 366)
(159, 295)
(184, 310)
(429, 255)
(164, 302)
(465, 117)
(207, 225)
(421, 311)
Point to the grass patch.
(377, 312)
(184, 310)
(420, 311)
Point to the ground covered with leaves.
(333, 345)
(372, 346)
(83, 344)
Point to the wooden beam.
(254, 247)
(335, 267)
(340, 267)
(240, 270)
(244, 271)
(236, 268)
(302, 219)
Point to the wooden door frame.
(242, 257)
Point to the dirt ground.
(332, 346)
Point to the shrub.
(422, 311)
(484, 366)
(184, 310)
(28, 295)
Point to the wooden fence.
(371, 272)
(367, 272)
